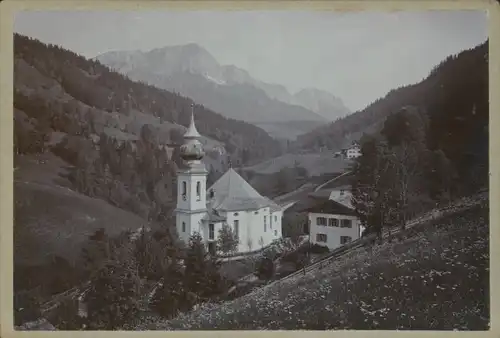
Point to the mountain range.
(231, 91)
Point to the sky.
(357, 56)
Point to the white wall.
(251, 227)
(191, 202)
(193, 224)
(333, 233)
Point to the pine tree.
(112, 299)
(172, 295)
(202, 274)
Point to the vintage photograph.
(251, 170)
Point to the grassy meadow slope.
(315, 163)
(53, 220)
(417, 281)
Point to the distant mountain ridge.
(192, 71)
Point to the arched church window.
(212, 193)
(183, 226)
(198, 191)
(184, 190)
(235, 214)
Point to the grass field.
(436, 277)
(51, 219)
(315, 164)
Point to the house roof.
(323, 193)
(233, 193)
(330, 207)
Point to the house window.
(183, 226)
(184, 190)
(265, 223)
(211, 231)
(345, 239)
(256, 213)
(342, 192)
(346, 223)
(320, 220)
(212, 193)
(321, 238)
(333, 222)
(198, 191)
(237, 228)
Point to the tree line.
(401, 174)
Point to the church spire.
(192, 149)
(192, 132)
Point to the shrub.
(265, 268)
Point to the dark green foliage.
(452, 108)
(318, 249)
(172, 296)
(298, 258)
(265, 268)
(112, 299)
(293, 226)
(154, 253)
(202, 275)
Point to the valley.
(101, 156)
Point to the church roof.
(329, 207)
(232, 193)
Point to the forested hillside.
(96, 151)
(97, 87)
(115, 130)
(448, 96)
(430, 151)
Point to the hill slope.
(430, 269)
(53, 220)
(93, 150)
(454, 95)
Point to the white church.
(255, 219)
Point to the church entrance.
(211, 248)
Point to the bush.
(318, 249)
(113, 297)
(265, 268)
(172, 296)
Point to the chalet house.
(332, 224)
(353, 151)
(255, 219)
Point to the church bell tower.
(191, 185)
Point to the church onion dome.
(192, 149)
